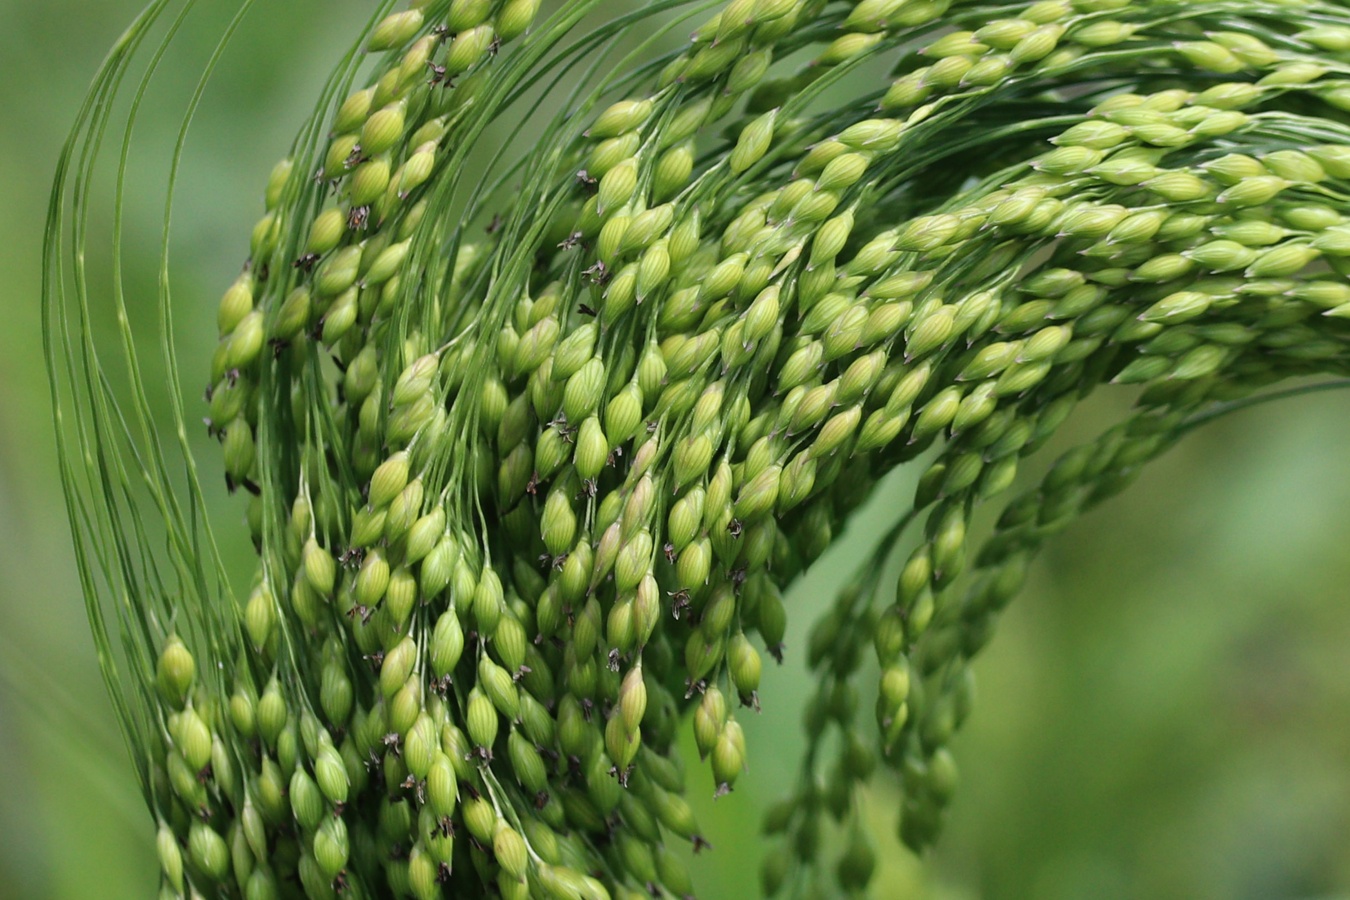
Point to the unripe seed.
(175, 671)
(1253, 191)
(515, 18)
(728, 756)
(382, 130)
(395, 30)
(754, 140)
(208, 850)
(397, 666)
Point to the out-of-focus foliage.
(1164, 713)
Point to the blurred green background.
(1165, 713)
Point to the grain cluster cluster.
(537, 423)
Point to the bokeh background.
(1165, 712)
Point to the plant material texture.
(532, 445)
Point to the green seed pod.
(623, 415)
(686, 517)
(395, 30)
(422, 873)
(510, 643)
(331, 847)
(442, 786)
(423, 538)
(1281, 261)
(645, 227)
(343, 312)
(990, 360)
(582, 394)
(842, 172)
(611, 152)
(192, 737)
(744, 665)
(244, 344)
(836, 431)
(617, 186)
(975, 407)
(1044, 344)
(718, 613)
(1164, 267)
(263, 240)
(798, 480)
(728, 756)
(515, 18)
(372, 579)
(175, 671)
(881, 135)
(653, 271)
(330, 772)
(1253, 191)
(632, 699)
(447, 644)
(397, 666)
(208, 851)
(465, 14)
(242, 713)
(1221, 255)
(389, 480)
(927, 233)
(509, 849)
(1210, 56)
(294, 317)
(497, 684)
(383, 129)
(526, 762)
(280, 176)
(801, 366)
(762, 315)
(1200, 362)
(236, 304)
(831, 237)
(558, 525)
(335, 693)
(420, 746)
(694, 564)
(1294, 166)
(672, 171)
(709, 718)
(722, 280)
(489, 601)
(1071, 161)
(271, 713)
(619, 118)
(481, 720)
(386, 264)
(307, 801)
(438, 567)
(754, 140)
(1334, 159)
(621, 746)
(1090, 220)
(633, 562)
(592, 449)
(345, 148)
(415, 171)
(170, 857)
(369, 182)
(469, 48)
(692, 457)
(929, 333)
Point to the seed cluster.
(525, 500)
